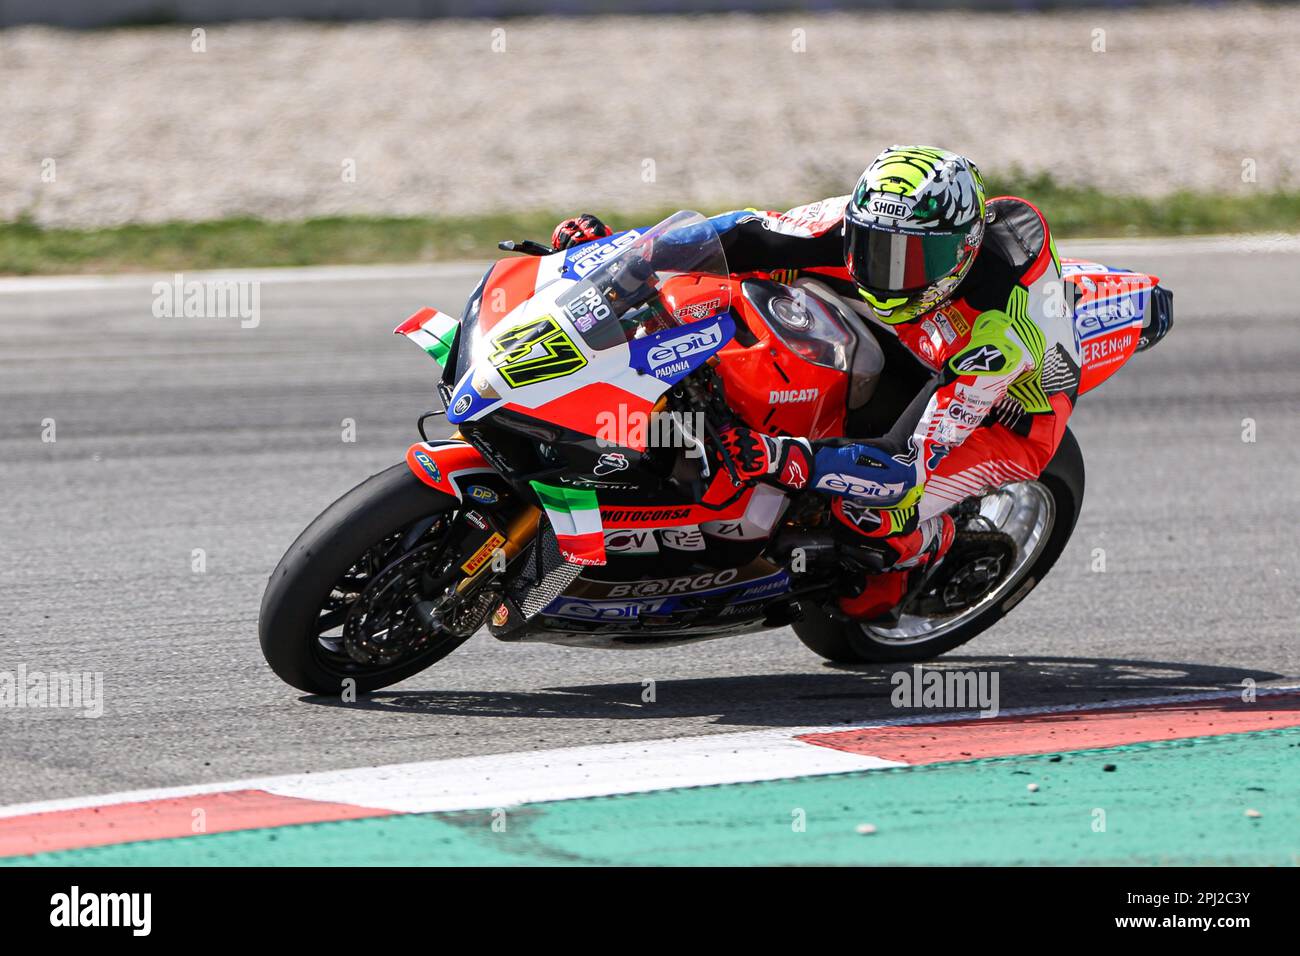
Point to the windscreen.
(634, 293)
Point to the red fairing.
(445, 465)
(589, 409)
(695, 297)
(511, 282)
(1109, 309)
(776, 391)
(614, 517)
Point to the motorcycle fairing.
(776, 389)
(509, 284)
(537, 362)
(467, 403)
(580, 522)
(451, 466)
(588, 409)
(633, 542)
(542, 330)
(506, 285)
(1111, 307)
(636, 518)
(763, 509)
(512, 281)
(672, 354)
(613, 516)
(627, 602)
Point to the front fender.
(455, 468)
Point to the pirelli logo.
(483, 555)
(956, 319)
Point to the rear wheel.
(348, 601)
(981, 579)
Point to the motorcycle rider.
(971, 289)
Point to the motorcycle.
(586, 387)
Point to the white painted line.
(1078, 248)
(495, 780)
(512, 779)
(500, 780)
(310, 275)
(1181, 245)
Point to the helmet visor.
(900, 263)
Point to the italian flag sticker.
(432, 331)
(575, 516)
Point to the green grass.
(1075, 212)
(28, 249)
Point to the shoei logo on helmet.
(889, 207)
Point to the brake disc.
(974, 566)
(388, 622)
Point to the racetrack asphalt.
(176, 434)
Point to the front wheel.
(1039, 516)
(344, 603)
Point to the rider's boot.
(905, 555)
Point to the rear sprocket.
(974, 566)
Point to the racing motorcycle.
(586, 387)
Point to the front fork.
(494, 536)
(498, 549)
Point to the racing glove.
(577, 230)
(784, 462)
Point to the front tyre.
(341, 604)
(1039, 515)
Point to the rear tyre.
(309, 597)
(1058, 493)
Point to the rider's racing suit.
(1000, 365)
